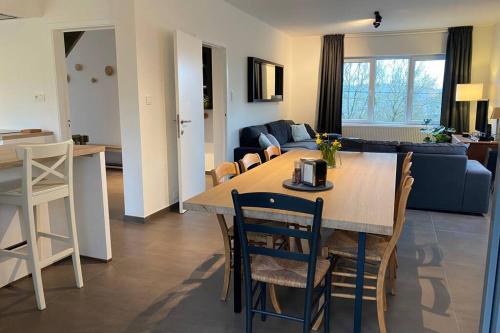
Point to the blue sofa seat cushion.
(434, 148)
(249, 136)
(373, 146)
(306, 144)
(281, 130)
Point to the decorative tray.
(306, 188)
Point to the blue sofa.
(445, 179)
(281, 129)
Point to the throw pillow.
(273, 140)
(299, 133)
(311, 132)
(264, 141)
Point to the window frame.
(371, 91)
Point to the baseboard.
(136, 219)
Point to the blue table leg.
(236, 270)
(360, 279)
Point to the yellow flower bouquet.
(328, 149)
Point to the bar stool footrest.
(54, 236)
(56, 257)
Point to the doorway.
(201, 113)
(93, 115)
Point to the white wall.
(22, 8)
(495, 69)
(306, 53)
(215, 22)
(94, 107)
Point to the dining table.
(361, 200)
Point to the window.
(393, 90)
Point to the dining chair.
(343, 245)
(250, 161)
(272, 152)
(280, 267)
(221, 173)
(47, 175)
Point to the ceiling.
(318, 17)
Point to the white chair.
(47, 175)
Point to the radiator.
(386, 133)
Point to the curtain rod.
(395, 33)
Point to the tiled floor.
(166, 277)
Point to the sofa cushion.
(273, 140)
(306, 144)
(249, 136)
(281, 130)
(264, 141)
(312, 133)
(299, 133)
(434, 148)
(352, 144)
(373, 146)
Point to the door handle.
(185, 121)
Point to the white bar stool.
(47, 175)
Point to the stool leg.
(34, 262)
(70, 218)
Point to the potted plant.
(439, 134)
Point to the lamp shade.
(469, 92)
(496, 113)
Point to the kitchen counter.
(14, 137)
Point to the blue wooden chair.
(280, 267)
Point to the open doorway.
(93, 108)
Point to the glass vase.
(330, 157)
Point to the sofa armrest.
(477, 188)
(239, 152)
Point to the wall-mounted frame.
(265, 81)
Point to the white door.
(190, 127)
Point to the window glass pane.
(356, 89)
(391, 90)
(427, 90)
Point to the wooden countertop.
(8, 158)
(15, 135)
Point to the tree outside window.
(397, 90)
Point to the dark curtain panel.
(330, 96)
(457, 70)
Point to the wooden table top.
(8, 157)
(361, 200)
(16, 135)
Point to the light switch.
(149, 100)
(39, 97)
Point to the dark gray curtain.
(330, 95)
(457, 70)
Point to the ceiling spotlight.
(378, 20)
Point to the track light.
(378, 20)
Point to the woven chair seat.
(285, 272)
(345, 244)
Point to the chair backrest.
(250, 161)
(224, 171)
(405, 171)
(272, 152)
(53, 161)
(263, 200)
(399, 218)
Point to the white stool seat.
(47, 176)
